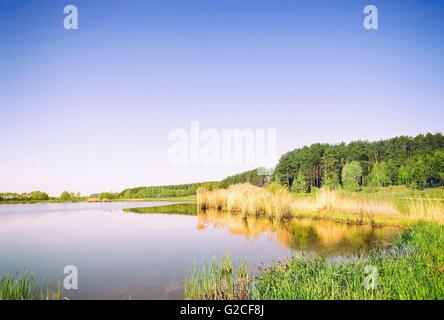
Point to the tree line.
(414, 161)
(165, 191)
(26, 196)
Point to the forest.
(413, 161)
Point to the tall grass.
(246, 199)
(25, 288)
(218, 280)
(411, 269)
(426, 209)
(337, 206)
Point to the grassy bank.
(412, 268)
(26, 288)
(335, 205)
(219, 280)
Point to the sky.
(90, 110)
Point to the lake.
(146, 254)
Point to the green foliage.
(25, 288)
(274, 187)
(107, 195)
(410, 269)
(180, 190)
(300, 184)
(351, 175)
(33, 196)
(434, 168)
(183, 190)
(218, 280)
(413, 173)
(416, 161)
(38, 195)
(251, 176)
(65, 196)
(380, 175)
(331, 181)
(69, 197)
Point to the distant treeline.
(251, 176)
(24, 197)
(414, 161)
(181, 190)
(165, 191)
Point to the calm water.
(147, 256)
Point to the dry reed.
(248, 199)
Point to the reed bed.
(335, 205)
(410, 269)
(218, 280)
(247, 199)
(426, 209)
(334, 201)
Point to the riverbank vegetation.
(411, 268)
(219, 280)
(246, 199)
(26, 288)
(277, 202)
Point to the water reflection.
(320, 236)
(148, 253)
(317, 236)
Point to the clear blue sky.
(90, 110)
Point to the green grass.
(400, 195)
(218, 280)
(412, 268)
(25, 288)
